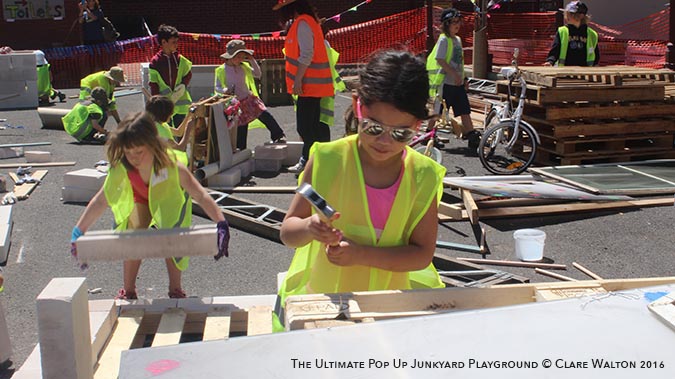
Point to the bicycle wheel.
(434, 153)
(498, 158)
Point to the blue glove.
(77, 233)
(223, 239)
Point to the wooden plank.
(610, 112)
(600, 128)
(470, 205)
(554, 275)
(170, 328)
(601, 95)
(664, 309)
(514, 263)
(259, 320)
(47, 164)
(121, 339)
(217, 325)
(24, 144)
(549, 294)
(198, 240)
(586, 271)
(22, 191)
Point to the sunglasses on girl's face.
(374, 128)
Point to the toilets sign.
(20, 10)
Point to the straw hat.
(115, 73)
(282, 3)
(235, 46)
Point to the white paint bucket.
(529, 244)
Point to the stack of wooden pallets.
(600, 114)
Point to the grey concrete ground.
(629, 244)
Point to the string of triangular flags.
(277, 34)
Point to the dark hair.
(135, 130)
(165, 32)
(287, 12)
(160, 108)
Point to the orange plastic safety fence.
(640, 43)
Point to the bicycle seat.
(508, 72)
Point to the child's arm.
(93, 212)
(199, 194)
(415, 256)
(97, 127)
(300, 226)
(182, 145)
(257, 73)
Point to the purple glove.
(223, 239)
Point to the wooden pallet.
(22, 191)
(547, 157)
(540, 95)
(328, 310)
(605, 111)
(273, 82)
(606, 75)
(619, 144)
(599, 127)
(456, 273)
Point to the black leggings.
(309, 127)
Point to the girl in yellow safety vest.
(147, 187)
(386, 194)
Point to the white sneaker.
(298, 167)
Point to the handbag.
(110, 34)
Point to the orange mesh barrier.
(640, 43)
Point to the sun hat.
(40, 58)
(115, 73)
(449, 14)
(98, 94)
(282, 3)
(235, 46)
(575, 7)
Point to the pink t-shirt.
(380, 201)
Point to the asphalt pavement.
(627, 244)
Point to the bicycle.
(509, 144)
(428, 143)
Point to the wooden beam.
(494, 262)
(47, 164)
(198, 240)
(469, 205)
(586, 271)
(170, 328)
(554, 275)
(22, 191)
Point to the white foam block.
(38, 156)
(228, 178)
(87, 178)
(293, 153)
(272, 151)
(11, 152)
(77, 194)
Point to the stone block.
(294, 151)
(76, 194)
(38, 156)
(271, 151)
(246, 167)
(65, 346)
(5, 346)
(11, 152)
(227, 178)
(267, 165)
(86, 178)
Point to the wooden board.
(122, 337)
(22, 191)
(170, 328)
(217, 325)
(48, 164)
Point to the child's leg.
(272, 125)
(139, 218)
(242, 136)
(175, 285)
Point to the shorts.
(456, 97)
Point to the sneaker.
(297, 168)
(124, 295)
(281, 139)
(473, 137)
(177, 294)
(62, 96)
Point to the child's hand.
(323, 232)
(342, 254)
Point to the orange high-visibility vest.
(318, 81)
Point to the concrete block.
(3, 183)
(11, 152)
(267, 165)
(5, 241)
(228, 178)
(76, 194)
(38, 156)
(271, 151)
(5, 346)
(65, 346)
(19, 94)
(87, 178)
(246, 167)
(18, 65)
(293, 153)
(32, 367)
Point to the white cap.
(40, 57)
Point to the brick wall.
(196, 16)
